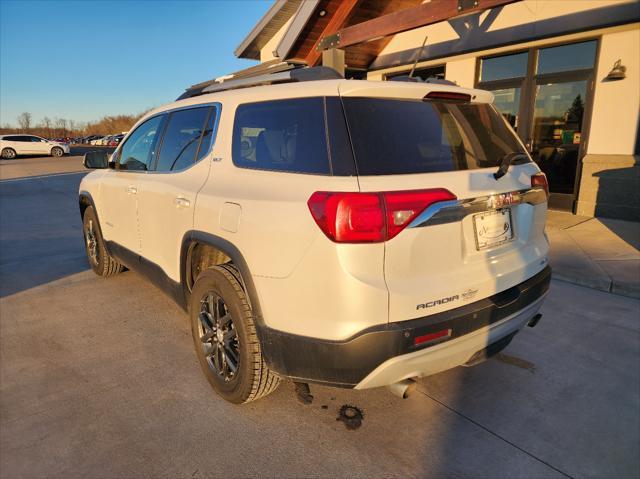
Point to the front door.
(120, 187)
(39, 145)
(545, 95)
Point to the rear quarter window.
(282, 135)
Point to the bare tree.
(61, 127)
(24, 120)
(46, 124)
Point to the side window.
(207, 136)
(35, 139)
(182, 138)
(137, 152)
(282, 135)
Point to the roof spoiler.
(286, 73)
(407, 78)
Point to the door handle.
(132, 190)
(181, 202)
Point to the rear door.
(487, 236)
(167, 195)
(22, 144)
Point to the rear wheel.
(225, 339)
(8, 153)
(57, 151)
(101, 262)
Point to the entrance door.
(544, 94)
(556, 136)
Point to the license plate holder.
(492, 228)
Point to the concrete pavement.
(598, 253)
(102, 382)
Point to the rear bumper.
(386, 353)
(449, 354)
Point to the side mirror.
(94, 160)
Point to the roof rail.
(278, 73)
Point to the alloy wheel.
(92, 243)
(220, 343)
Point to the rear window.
(405, 136)
(282, 135)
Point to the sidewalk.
(599, 253)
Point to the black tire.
(8, 153)
(99, 260)
(57, 151)
(252, 378)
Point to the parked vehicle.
(349, 233)
(115, 140)
(14, 145)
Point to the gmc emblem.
(504, 199)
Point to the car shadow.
(40, 231)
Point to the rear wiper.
(506, 162)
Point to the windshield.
(392, 136)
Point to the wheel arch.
(84, 201)
(194, 239)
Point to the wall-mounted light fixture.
(618, 72)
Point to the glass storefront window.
(507, 101)
(576, 56)
(557, 131)
(504, 67)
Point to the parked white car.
(14, 145)
(349, 233)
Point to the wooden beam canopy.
(403, 20)
(338, 19)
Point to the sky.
(82, 60)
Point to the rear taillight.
(370, 217)
(539, 180)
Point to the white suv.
(348, 233)
(14, 145)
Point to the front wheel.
(102, 263)
(57, 151)
(225, 339)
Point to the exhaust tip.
(533, 321)
(403, 388)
